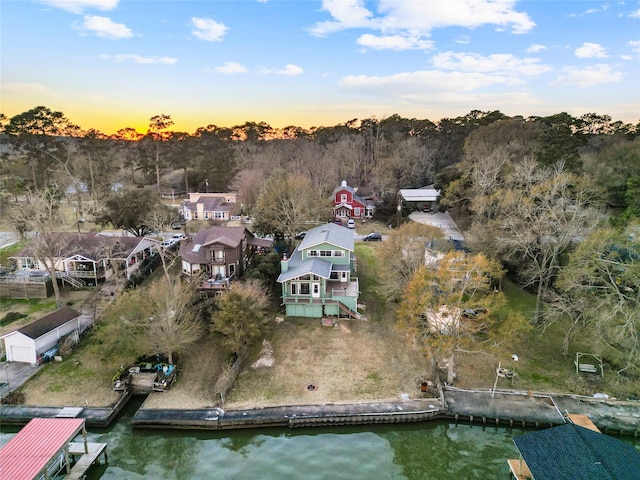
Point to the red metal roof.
(29, 451)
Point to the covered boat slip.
(576, 449)
(44, 449)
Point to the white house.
(28, 343)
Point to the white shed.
(29, 342)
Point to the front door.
(315, 290)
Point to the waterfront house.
(87, 258)
(319, 279)
(220, 254)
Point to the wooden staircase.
(74, 282)
(349, 311)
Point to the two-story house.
(209, 206)
(318, 280)
(220, 254)
(348, 204)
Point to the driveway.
(440, 220)
(15, 374)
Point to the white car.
(351, 223)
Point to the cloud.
(587, 77)
(290, 70)
(207, 29)
(123, 57)
(535, 48)
(635, 14)
(23, 88)
(497, 63)
(409, 84)
(463, 40)
(79, 6)
(602, 8)
(414, 21)
(591, 50)
(634, 45)
(104, 27)
(231, 68)
(394, 42)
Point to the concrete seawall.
(475, 406)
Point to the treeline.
(44, 148)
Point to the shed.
(572, 452)
(29, 342)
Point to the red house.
(347, 203)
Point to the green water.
(428, 450)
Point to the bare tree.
(173, 324)
(40, 215)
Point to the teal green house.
(318, 280)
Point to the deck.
(519, 469)
(87, 459)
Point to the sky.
(113, 64)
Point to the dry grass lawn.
(349, 362)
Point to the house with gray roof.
(209, 206)
(220, 255)
(318, 280)
(87, 258)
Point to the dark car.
(426, 208)
(372, 237)
(300, 236)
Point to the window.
(206, 215)
(356, 212)
(325, 253)
(294, 289)
(338, 253)
(334, 276)
(343, 197)
(304, 289)
(313, 253)
(232, 269)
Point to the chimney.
(284, 263)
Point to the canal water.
(427, 450)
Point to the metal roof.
(420, 194)
(571, 452)
(32, 448)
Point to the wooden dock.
(519, 469)
(582, 421)
(87, 458)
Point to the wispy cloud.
(601, 8)
(498, 63)
(231, 68)
(123, 57)
(635, 45)
(104, 27)
(635, 14)
(22, 88)
(207, 29)
(289, 70)
(394, 42)
(80, 6)
(535, 48)
(587, 77)
(591, 50)
(413, 21)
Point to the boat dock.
(44, 448)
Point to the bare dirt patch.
(350, 362)
(199, 369)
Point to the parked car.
(179, 236)
(426, 208)
(373, 237)
(351, 223)
(300, 236)
(337, 220)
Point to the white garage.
(29, 342)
